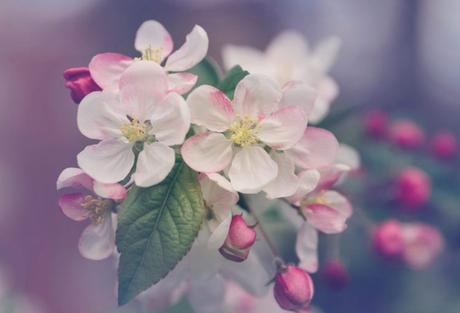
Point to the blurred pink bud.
(444, 145)
(293, 289)
(239, 240)
(423, 243)
(376, 123)
(388, 239)
(335, 275)
(413, 188)
(406, 134)
(80, 83)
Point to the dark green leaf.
(231, 79)
(208, 72)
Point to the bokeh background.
(399, 55)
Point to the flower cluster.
(150, 120)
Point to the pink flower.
(376, 123)
(239, 240)
(413, 188)
(444, 145)
(293, 289)
(94, 201)
(155, 45)
(238, 133)
(388, 239)
(406, 134)
(335, 275)
(80, 83)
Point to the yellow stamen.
(243, 131)
(135, 131)
(152, 54)
(97, 208)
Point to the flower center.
(97, 208)
(243, 131)
(135, 131)
(152, 54)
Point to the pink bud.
(335, 275)
(388, 239)
(293, 289)
(376, 123)
(413, 188)
(239, 240)
(444, 145)
(406, 134)
(80, 83)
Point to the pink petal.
(152, 34)
(181, 82)
(284, 128)
(207, 152)
(301, 94)
(70, 205)
(74, 177)
(106, 69)
(191, 52)
(210, 108)
(317, 148)
(110, 191)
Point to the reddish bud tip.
(335, 275)
(444, 145)
(406, 134)
(80, 83)
(376, 123)
(388, 239)
(413, 188)
(239, 240)
(293, 288)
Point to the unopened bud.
(406, 134)
(388, 239)
(293, 288)
(335, 275)
(80, 83)
(376, 123)
(413, 188)
(444, 145)
(239, 241)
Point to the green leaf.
(231, 79)
(208, 72)
(156, 228)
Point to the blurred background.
(402, 56)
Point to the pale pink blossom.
(155, 45)
(95, 201)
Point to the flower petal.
(308, 181)
(348, 157)
(97, 242)
(152, 34)
(153, 164)
(325, 53)
(110, 191)
(171, 120)
(248, 58)
(70, 205)
(109, 161)
(288, 47)
(207, 152)
(101, 116)
(215, 195)
(191, 52)
(286, 183)
(317, 148)
(181, 82)
(256, 95)
(220, 232)
(210, 108)
(73, 177)
(297, 93)
(252, 169)
(284, 128)
(106, 69)
(142, 85)
(306, 248)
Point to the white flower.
(94, 201)
(261, 116)
(155, 44)
(144, 116)
(287, 58)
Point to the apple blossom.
(95, 201)
(238, 132)
(144, 116)
(239, 240)
(80, 83)
(444, 145)
(412, 188)
(288, 58)
(406, 134)
(293, 288)
(155, 45)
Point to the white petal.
(320, 110)
(207, 152)
(214, 194)
(252, 169)
(248, 58)
(151, 34)
(348, 156)
(256, 95)
(153, 164)
(284, 128)
(142, 85)
(73, 177)
(106, 69)
(97, 242)
(289, 46)
(325, 53)
(210, 108)
(110, 161)
(308, 181)
(286, 183)
(171, 120)
(219, 234)
(181, 82)
(301, 94)
(100, 115)
(191, 53)
(306, 248)
(207, 296)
